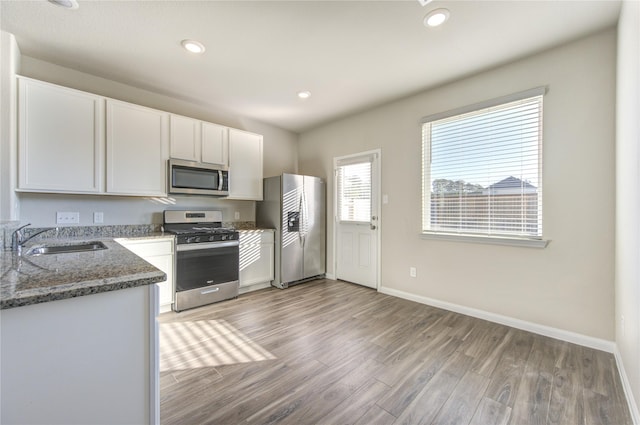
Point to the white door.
(357, 218)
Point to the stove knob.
(212, 238)
(224, 237)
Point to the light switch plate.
(67, 217)
(98, 217)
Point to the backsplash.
(6, 229)
(109, 231)
(113, 231)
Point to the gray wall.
(280, 155)
(568, 285)
(628, 195)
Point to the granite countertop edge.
(41, 286)
(83, 288)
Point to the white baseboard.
(633, 406)
(330, 276)
(575, 338)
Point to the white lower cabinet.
(84, 360)
(256, 258)
(158, 252)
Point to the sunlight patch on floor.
(206, 343)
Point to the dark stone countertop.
(27, 279)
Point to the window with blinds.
(482, 170)
(354, 191)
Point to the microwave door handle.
(220, 180)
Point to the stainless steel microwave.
(197, 178)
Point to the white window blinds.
(354, 190)
(482, 171)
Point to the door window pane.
(354, 192)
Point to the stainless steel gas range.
(207, 258)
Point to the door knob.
(373, 227)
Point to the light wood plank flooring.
(329, 352)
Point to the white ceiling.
(351, 55)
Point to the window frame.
(498, 239)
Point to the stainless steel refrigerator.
(295, 206)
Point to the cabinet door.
(184, 138)
(256, 258)
(61, 139)
(164, 263)
(137, 150)
(215, 143)
(158, 253)
(245, 165)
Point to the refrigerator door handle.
(301, 222)
(303, 215)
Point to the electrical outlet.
(67, 217)
(413, 272)
(237, 215)
(98, 217)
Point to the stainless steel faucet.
(18, 239)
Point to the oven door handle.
(206, 245)
(209, 291)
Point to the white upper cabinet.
(137, 149)
(70, 141)
(185, 138)
(61, 139)
(215, 144)
(245, 165)
(199, 141)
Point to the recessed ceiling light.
(304, 94)
(436, 17)
(193, 46)
(67, 4)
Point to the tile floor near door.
(328, 352)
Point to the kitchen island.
(79, 338)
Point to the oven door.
(200, 265)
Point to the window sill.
(491, 240)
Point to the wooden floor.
(328, 352)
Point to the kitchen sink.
(63, 249)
